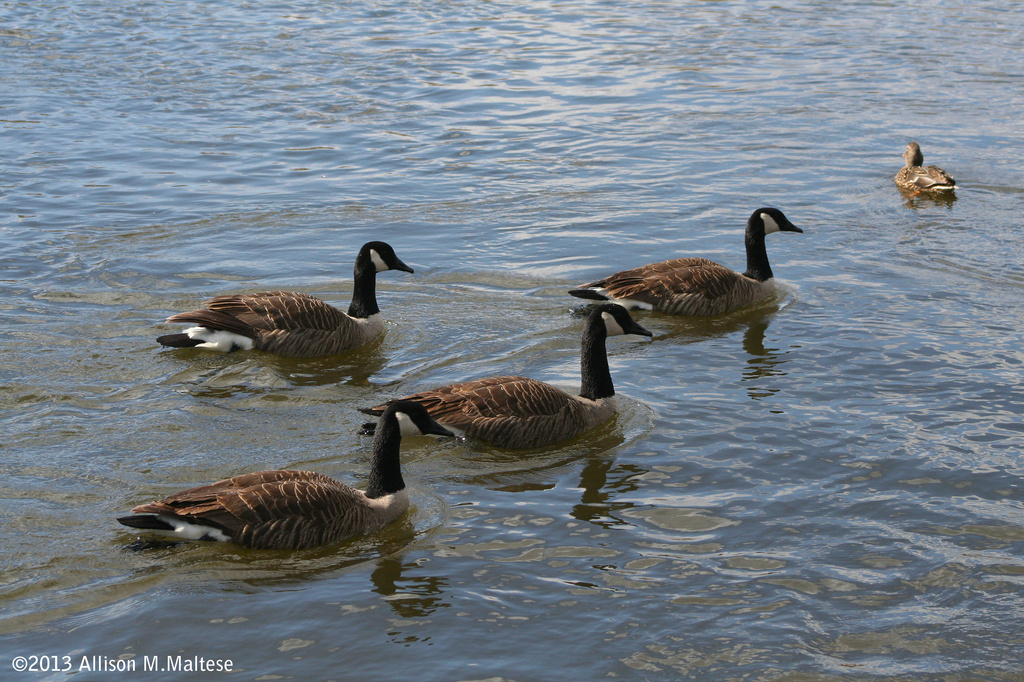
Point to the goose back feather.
(697, 286)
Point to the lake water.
(827, 486)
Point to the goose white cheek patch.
(378, 262)
(406, 425)
(612, 325)
(769, 224)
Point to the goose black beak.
(639, 331)
(399, 265)
(790, 227)
(435, 429)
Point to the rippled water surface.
(825, 486)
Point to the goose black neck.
(364, 288)
(596, 382)
(757, 256)
(386, 470)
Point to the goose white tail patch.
(219, 339)
(769, 224)
(627, 303)
(630, 304)
(185, 530)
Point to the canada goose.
(289, 323)
(697, 286)
(918, 178)
(287, 509)
(516, 412)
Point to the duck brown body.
(916, 177)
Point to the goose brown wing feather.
(310, 496)
(271, 310)
(521, 396)
(213, 319)
(271, 509)
(308, 343)
(681, 276)
(299, 513)
(459, 404)
(511, 411)
(650, 270)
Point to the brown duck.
(917, 178)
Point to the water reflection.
(753, 322)
(918, 200)
(764, 363)
(237, 567)
(354, 367)
(595, 506)
(244, 373)
(534, 470)
(695, 329)
(409, 596)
